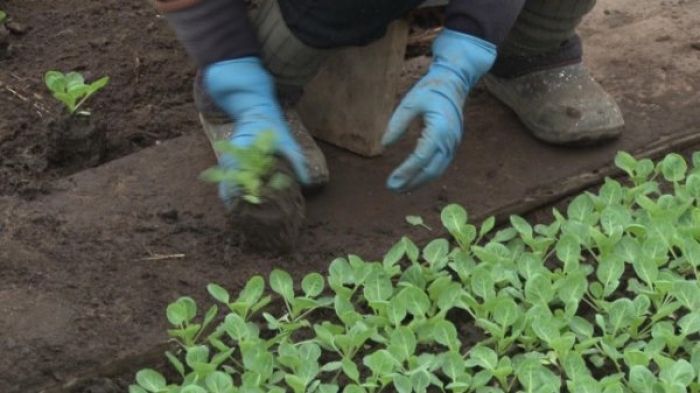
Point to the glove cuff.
(469, 56)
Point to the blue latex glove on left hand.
(246, 91)
(459, 60)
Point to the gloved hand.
(245, 90)
(459, 60)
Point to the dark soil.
(75, 141)
(147, 100)
(272, 225)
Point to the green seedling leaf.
(218, 293)
(487, 226)
(151, 380)
(483, 357)
(453, 218)
(482, 282)
(673, 167)
(522, 226)
(539, 289)
(626, 162)
(420, 380)
(435, 253)
(350, 369)
(641, 380)
(197, 355)
(312, 284)
(235, 327)
(219, 382)
(445, 333)
(568, 250)
(416, 300)
(281, 283)
(417, 221)
(402, 343)
(636, 358)
(380, 362)
(193, 389)
(690, 323)
(402, 383)
(378, 286)
(688, 293)
(681, 372)
(3, 16)
(181, 311)
(505, 311)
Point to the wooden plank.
(350, 101)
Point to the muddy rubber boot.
(562, 105)
(539, 74)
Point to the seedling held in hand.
(71, 89)
(254, 171)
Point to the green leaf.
(193, 389)
(636, 358)
(176, 363)
(350, 369)
(181, 311)
(453, 218)
(416, 300)
(380, 362)
(673, 167)
(436, 251)
(690, 323)
(626, 162)
(646, 269)
(641, 380)
(137, 389)
(539, 289)
(453, 365)
(150, 380)
(621, 313)
(421, 380)
(395, 254)
(581, 208)
(445, 333)
(688, 293)
(378, 286)
(575, 367)
(197, 355)
(402, 343)
(281, 283)
(609, 272)
(312, 284)
(218, 293)
(219, 382)
(482, 282)
(572, 288)
(568, 250)
(483, 357)
(416, 221)
(522, 226)
(545, 329)
(487, 226)
(505, 311)
(681, 371)
(402, 383)
(235, 326)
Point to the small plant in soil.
(74, 138)
(4, 36)
(255, 170)
(269, 210)
(605, 298)
(71, 90)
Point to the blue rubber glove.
(246, 91)
(459, 60)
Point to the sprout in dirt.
(71, 90)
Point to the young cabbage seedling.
(71, 89)
(255, 171)
(3, 16)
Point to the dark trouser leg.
(539, 75)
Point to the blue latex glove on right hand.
(459, 60)
(246, 91)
